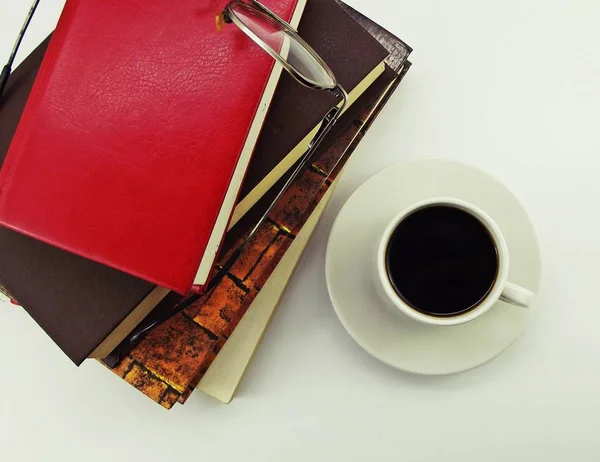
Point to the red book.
(136, 137)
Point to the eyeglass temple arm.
(6, 70)
(326, 125)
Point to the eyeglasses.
(282, 42)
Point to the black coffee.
(442, 261)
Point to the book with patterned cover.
(225, 374)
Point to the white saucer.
(400, 342)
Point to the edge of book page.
(225, 374)
(133, 319)
(220, 227)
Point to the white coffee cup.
(500, 290)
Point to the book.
(133, 129)
(78, 302)
(226, 372)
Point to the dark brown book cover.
(79, 302)
(397, 49)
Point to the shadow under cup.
(442, 260)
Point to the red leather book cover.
(135, 139)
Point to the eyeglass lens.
(275, 36)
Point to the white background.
(509, 86)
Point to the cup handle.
(516, 295)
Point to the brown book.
(88, 308)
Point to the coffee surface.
(442, 261)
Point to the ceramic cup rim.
(494, 293)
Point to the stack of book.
(140, 146)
